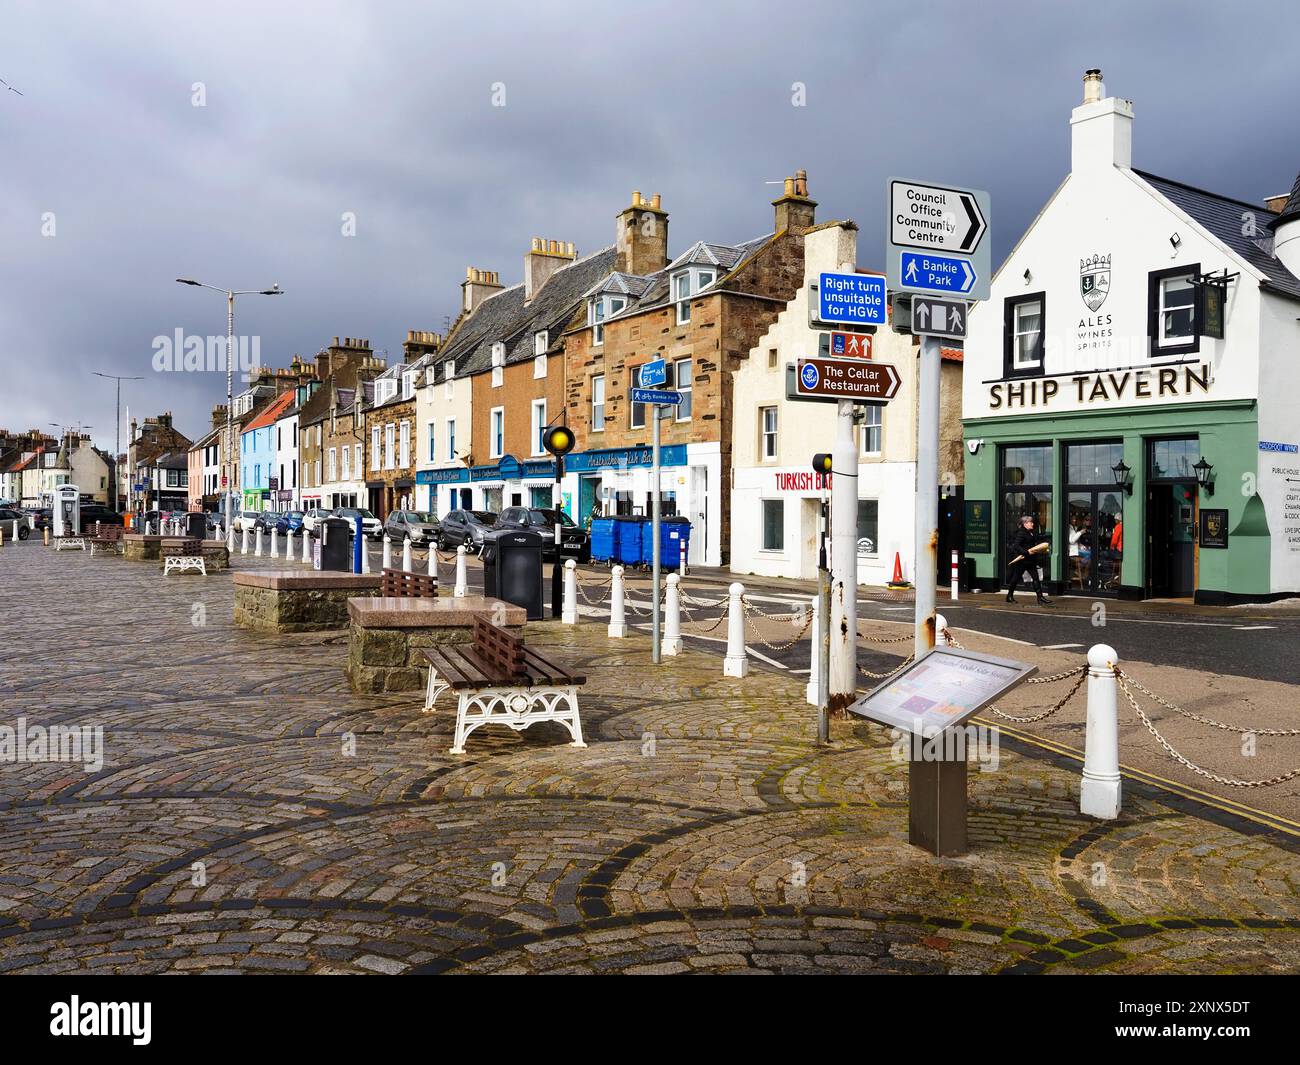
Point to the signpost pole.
(842, 620)
(824, 608)
(656, 410)
(927, 507)
(557, 571)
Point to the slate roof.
(1221, 215)
(505, 317)
(723, 257)
(1290, 209)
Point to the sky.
(238, 143)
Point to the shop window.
(868, 526)
(767, 422)
(1092, 463)
(1027, 465)
(872, 428)
(1023, 324)
(1171, 311)
(773, 525)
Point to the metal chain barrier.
(881, 676)
(600, 591)
(692, 620)
(705, 603)
(785, 619)
(1081, 671)
(885, 639)
(1205, 720)
(1230, 782)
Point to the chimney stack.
(642, 236)
(542, 260)
(795, 212)
(1101, 129)
(1286, 231)
(478, 286)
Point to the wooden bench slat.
(452, 669)
(552, 669)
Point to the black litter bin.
(335, 550)
(512, 570)
(196, 526)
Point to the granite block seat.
(137, 547)
(387, 636)
(296, 600)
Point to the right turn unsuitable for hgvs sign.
(860, 380)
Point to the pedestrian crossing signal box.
(900, 313)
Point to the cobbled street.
(252, 814)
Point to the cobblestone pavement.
(251, 814)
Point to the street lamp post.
(117, 427)
(229, 471)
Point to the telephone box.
(67, 510)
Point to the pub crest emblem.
(1094, 280)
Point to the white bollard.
(288, 545)
(813, 692)
(275, 542)
(682, 567)
(735, 664)
(462, 580)
(230, 540)
(955, 583)
(148, 528)
(15, 535)
(406, 555)
(365, 554)
(1100, 794)
(617, 616)
(433, 560)
(257, 546)
(672, 641)
(569, 615)
(388, 552)
(243, 540)
(306, 546)
(940, 631)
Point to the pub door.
(1171, 547)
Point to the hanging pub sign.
(1210, 298)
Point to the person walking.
(1028, 548)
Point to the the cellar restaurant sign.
(1102, 386)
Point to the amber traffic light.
(821, 463)
(558, 440)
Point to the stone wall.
(294, 610)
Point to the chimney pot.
(1092, 86)
(655, 202)
(636, 198)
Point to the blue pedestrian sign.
(654, 373)
(850, 299)
(654, 395)
(923, 272)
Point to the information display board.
(941, 690)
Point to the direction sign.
(860, 380)
(653, 373)
(936, 218)
(654, 395)
(938, 240)
(845, 345)
(939, 318)
(850, 299)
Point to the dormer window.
(603, 308)
(498, 364)
(408, 384)
(687, 284)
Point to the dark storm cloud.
(386, 110)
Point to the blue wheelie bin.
(627, 541)
(674, 533)
(602, 539)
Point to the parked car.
(246, 519)
(370, 526)
(266, 520)
(44, 517)
(419, 525)
(575, 542)
(7, 517)
(311, 519)
(289, 522)
(468, 527)
(97, 512)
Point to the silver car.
(421, 526)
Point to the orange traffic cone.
(897, 581)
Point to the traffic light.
(821, 463)
(558, 440)
(900, 313)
